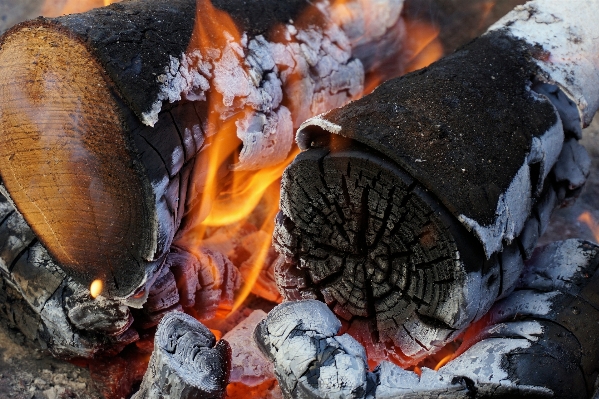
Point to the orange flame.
(95, 288)
(231, 201)
(423, 44)
(588, 219)
(54, 8)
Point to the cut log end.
(361, 235)
(66, 162)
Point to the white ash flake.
(314, 68)
(567, 33)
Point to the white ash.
(315, 69)
(248, 364)
(566, 31)
(514, 205)
(299, 337)
(572, 261)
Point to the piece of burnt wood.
(414, 207)
(104, 170)
(540, 342)
(310, 360)
(187, 362)
(50, 307)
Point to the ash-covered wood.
(310, 360)
(121, 172)
(187, 362)
(413, 208)
(48, 306)
(539, 341)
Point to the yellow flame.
(443, 361)
(96, 288)
(588, 219)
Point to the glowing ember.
(423, 42)
(96, 288)
(588, 219)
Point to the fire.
(423, 44)
(96, 288)
(53, 8)
(588, 219)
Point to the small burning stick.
(413, 208)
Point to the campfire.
(301, 199)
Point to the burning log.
(105, 174)
(540, 341)
(414, 208)
(187, 362)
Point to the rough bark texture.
(539, 341)
(420, 215)
(187, 362)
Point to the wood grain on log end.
(65, 161)
(187, 362)
(372, 243)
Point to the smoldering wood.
(49, 307)
(536, 342)
(414, 207)
(310, 361)
(132, 187)
(187, 362)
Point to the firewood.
(414, 207)
(50, 307)
(187, 362)
(540, 341)
(105, 170)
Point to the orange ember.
(588, 219)
(96, 288)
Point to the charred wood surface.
(106, 191)
(415, 207)
(187, 362)
(540, 341)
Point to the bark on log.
(105, 193)
(187, 362)
(540, 341)
(415, 206)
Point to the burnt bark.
(187, 362)
(415, 207)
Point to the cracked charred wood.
(104, 119)
(187, 362)
(540, 342)
(414, 208)
(46, 305)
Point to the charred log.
(125, 169)
(537, 342)
(187, 362)
(415, 207)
